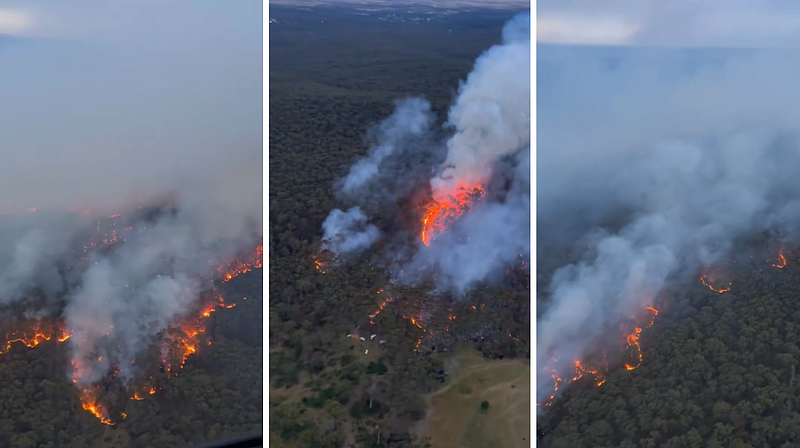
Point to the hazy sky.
(102, 100)
(732, 23)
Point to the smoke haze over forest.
(653, 163)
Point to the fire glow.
(439, 215)
(633, 341)
(781, 260)
(33, 333)
(89, 403)
(708, 281)
(243, 265)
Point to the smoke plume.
(347, 232)
(655, 162)
(411, 118)
(488, 149)
(491, 114)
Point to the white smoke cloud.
(347, 232)
(660, 160)
(412, 117)
(491, 115)
(127, 297)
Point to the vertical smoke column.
(491, 114)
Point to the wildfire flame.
(89, 403)
(319, 265)
(439, 215)
(633, 341)
(598, 377)
(243, 265)
(781, 260)
(381, 306)
(33, 333)
(709, 285)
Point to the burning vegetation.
(632, 351)
(182, 339)
(712, 282)
(439, 215)
(781, 263)
(598, 368)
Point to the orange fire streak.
(32, 334)
(781, 260)
(243, 265)
(633, 340)
(711, 287)
(438, 215)
(599, 377)
(89, 403)
(381, 306)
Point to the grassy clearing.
(455, 419)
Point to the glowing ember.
(319, 265)
(413, 321)
(439, 215)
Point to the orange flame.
(185, 334)
(89, 403)
(439, 215)
(414, 321)
(33, 333)
(381, 306)
(243, 265)
(709, 285)
(319, 265)
(633, 340)
(597, 375)
(781, 260)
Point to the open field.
(455, 419)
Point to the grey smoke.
(659, 162)
(491, 115)
(491, 121)
(31, 248)
(156, 275)
(411, 118)
(348, 232)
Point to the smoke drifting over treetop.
(657, 161)
(488, 150)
